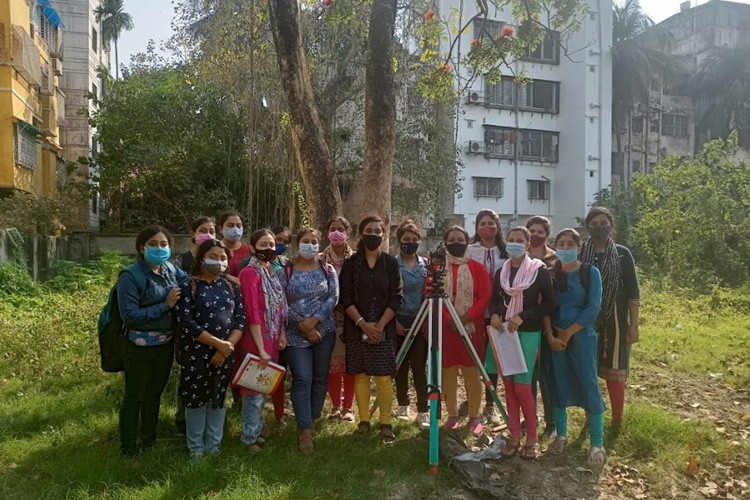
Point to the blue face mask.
(307, 250)
(567, 256)
(515, 249)
(157, 256)
(281, 248)
(233, 234)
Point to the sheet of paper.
(507, 350)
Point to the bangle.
(545, 332)
(357, 322)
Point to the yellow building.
(32, 107)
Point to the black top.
(379, 288)
(185, 261)
(533, 309)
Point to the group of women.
(338, 317)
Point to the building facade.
(32, 104)
(669, 123)
(543, 147)
(85, 54)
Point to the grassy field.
(686, 432)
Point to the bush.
(16, 280)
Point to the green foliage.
(16, 280)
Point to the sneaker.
(490, 415)
(196, 458)
(402, 413)
(475, 425)
(335, 414)
(452, 424)
(549, 431)
(423, 420)
(347, 415)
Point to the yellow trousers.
(472, 383)
(384, 391)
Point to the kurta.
(571, 374)
(455, 352)
(218, 309)
(236, 258)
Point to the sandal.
(510, 450)
(558, 445)
(597, 455)
(363, 429)
(530, 451)
(386, 433)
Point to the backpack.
(110, 327)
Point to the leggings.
(472, 383)
(384, 391)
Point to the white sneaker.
(423, 420)
(402, 413)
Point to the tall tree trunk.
(117, 63)
(308, 138)
(380, 113)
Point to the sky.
(153, 18)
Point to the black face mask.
(600, 233)
(409, 248)
(265, 255)
(372, 241)
(456, 249)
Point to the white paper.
(507, 349)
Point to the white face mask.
(308, 250)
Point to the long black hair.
(559, 278)
(203, 250)
(359, 257)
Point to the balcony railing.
(26, 56)
(60, 106)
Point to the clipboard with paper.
(506, 347)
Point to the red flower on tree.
(328, 3)
(507, 31)
(476, 42)
(429, 15)
(447, 67)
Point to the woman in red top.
(231, 228)
(468, 286)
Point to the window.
(502, 93)
(94, 91)
(488, 187)
(487, 28)
(538, 190)
(95, 202)
(674, 125)
(548, 50)
(94, 40)
(655, 125)
(636, 165)
(24, 142)
(94, 148)
(636, 124)
(538, 145)
(500, 142)
(540, 95)
(42, 27)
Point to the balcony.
(26, 56)
(60, 98)
(48, 81)
(49, 117)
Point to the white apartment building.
(544, 147)
(85, 52)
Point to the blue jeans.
(252, 417)
(309, 367)
(205, 428)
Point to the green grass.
(59, 438)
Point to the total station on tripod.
(436, 273)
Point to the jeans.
(146, 375)
(309, 367)
(205, 428)
(252, 417)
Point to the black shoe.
(180, 427)
(549, 431)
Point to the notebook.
(506, 346)
(263, 380)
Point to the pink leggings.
(519, 398)
(335, 383)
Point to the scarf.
(611, 274)
(330, 257)
(274, 295)
(464, 287)
(525, 277)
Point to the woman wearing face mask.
(211, 320)
(283, 237)
(371, 294)
(340, 383)
(146, 293)
(572, 344)
(265, 306)
(522, 296)
(467, 285)
(540, 229)
(617, 323)
(488, 248)
(201, 229)
(413, 274)
(231, 227)
(312, 292)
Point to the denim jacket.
(147, 317)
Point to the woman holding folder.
(522, 296)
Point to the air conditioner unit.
(474, 97)
(475, 147)
(57, 66)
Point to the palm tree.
(639, 53)
(114, 19)
(722, 93)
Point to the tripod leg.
(435, 342)
(475, 357)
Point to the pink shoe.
(475, 425)
(452, 424)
